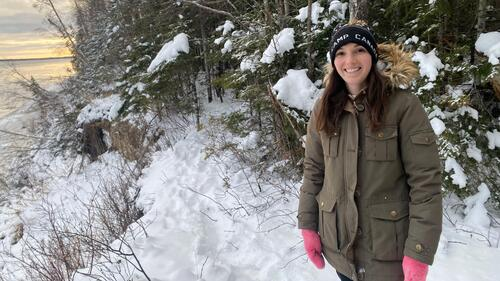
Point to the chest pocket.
(330, 143)
(382, 144)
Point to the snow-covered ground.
(206, 219)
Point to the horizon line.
(40, 58)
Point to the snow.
(474, 152)
(338, 9)
(489, 44)
(248, 142)
(316, 10)
(100, 109)
(248, 63)
(459, 178)
(170, 51)
(427, 87)
(228, 47)
(218, 40)
(139, 86)
(204, 222)
(429, 64)
(438, 126)
(475, 212)
(471, 111)
(281, 43)
(296, 90)
(226, 27)
(436, 112)
(413, 40)
(493, 139)
(456, 93)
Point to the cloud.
(21, 22)
(24, 32)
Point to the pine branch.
(209, 9)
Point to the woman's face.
(353, 63)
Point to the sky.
(24, 32)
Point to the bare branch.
(209, 9)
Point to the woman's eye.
(361, 50)
(339, 54)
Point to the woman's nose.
(350, 57)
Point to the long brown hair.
(335, 97)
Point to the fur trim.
(398, 68)
(394, 63)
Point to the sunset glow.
(24, 32)
(28, 46)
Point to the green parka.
(375, 196)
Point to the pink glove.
(414, 270)
(312, 244)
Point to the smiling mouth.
(351, 70)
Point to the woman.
(370, 202)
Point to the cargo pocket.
(424, 147)
(328, 224)
(330, 143)
(389, 230)
(424, 138)
(382, 144)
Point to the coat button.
(419, 248)
(380, 134)
(335, 134)
(394, 214)
(426, 139)
(357, 193)
(322, 204)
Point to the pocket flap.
(325, 204)
(384, 133)
(424, 138)
(392, 211)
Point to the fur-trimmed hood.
(393, 62)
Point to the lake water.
(16, 114)
(46, 72)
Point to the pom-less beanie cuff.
(353, 34)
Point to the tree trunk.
(481, 16)
(358, 9)
(480, 28)
(208, 72)
(310, 60)
(279, 7)
(267, 13)
(286, 6)
(196, 101)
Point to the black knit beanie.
(353, 34)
